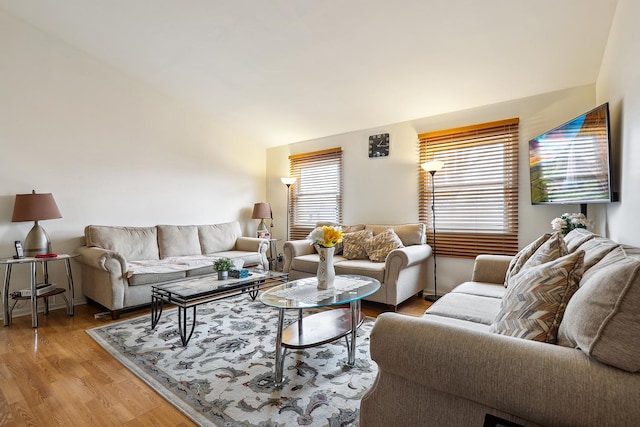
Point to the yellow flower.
(332, 236)
(326, 236)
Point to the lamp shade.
(35, 207)
(432, 166)
(261, 211)
(288, 181)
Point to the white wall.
(110, 149)
(619, 84)
(385, 190)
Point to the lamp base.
(432, 298)
(37, 242)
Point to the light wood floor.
(57, 375)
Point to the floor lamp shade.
(35, 207)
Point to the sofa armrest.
(402, 258)
(490, 268)
(544, 383)
(294, 248)
(254, 244)
(98, 258)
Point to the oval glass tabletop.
(304, 293)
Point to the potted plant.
(222, 266)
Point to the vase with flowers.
(325, 239)
(569, 221)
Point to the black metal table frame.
(160, 296)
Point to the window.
(316, 196)
(476, 192)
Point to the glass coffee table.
(325, 326)
(201, 290)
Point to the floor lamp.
(288, 182)
(433, 167)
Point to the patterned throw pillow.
(347, 229)
(535, 301)
(550, 250)
(354, 244)
(523, 256)
(379, 246)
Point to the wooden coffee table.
(325, 326)
(201, 290)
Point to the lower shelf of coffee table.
(319, 328)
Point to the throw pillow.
(603, 320)
(550, 250)
(577, 237)
(535, 301)
(523, 256)
(379, 246)
(347, 229)
(354, 244)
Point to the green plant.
(222, 264)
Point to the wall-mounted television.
(571, 164)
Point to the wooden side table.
(33, 263)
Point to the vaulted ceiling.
(283, 71)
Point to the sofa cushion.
(577, 237)
(536, 299)
(603, 319)
(550, 250)
(354, 244)
(362, 267)
(178, 240)
(471, 308)
(379, 246)
(218, 237)
(250, 258)
(134, 243)
(410, 234)
(523, 256)
(306, 263)
(595, 249)
(481, 289)
(153, 278)
(616, 255)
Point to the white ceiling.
(289, 70)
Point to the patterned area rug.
(224, 377)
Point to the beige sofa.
(449, 368)
(402, 274)
(120, 264)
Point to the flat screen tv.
(571, 164)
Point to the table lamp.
(35, 207)
(261, 211)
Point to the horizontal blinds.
(476, 192)
(316, 196)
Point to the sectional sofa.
(120, 264)
(401, 268)
(558, 346)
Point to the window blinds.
(476, 192)
(316, 196)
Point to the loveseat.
(402, 272)
(120, 264)
(466, 357)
